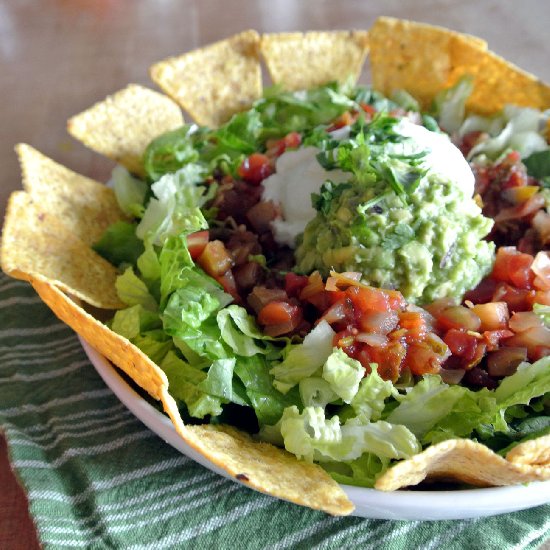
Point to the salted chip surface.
(116, 348)
(535, 452)
(460, 460)
(214, 82)
(122, 125)
(424, 59)
(269, 469)
(304, 60)
(85, 206)
(417, 57)
(36, 242)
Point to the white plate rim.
(369, 503)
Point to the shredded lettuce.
(130, 192)
(303, 360)
(175, 207)
(119, 244)
(450, 104)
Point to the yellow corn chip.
(416, 57)
(121, 126)
(35, 242)
(214, 82)
(535, 452)
(304, 60)
(268, 469)
(459, 460)
(258, 465)
(85, 206)
(424, 59)
(116, 348)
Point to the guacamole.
(407, 221)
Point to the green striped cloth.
(97, 478)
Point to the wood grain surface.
(57, 57)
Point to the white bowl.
(369, 503)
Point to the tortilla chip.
(258, 465)
(498, 83)
(459, 460)
(121, 126)
(85, 206)
(304, 60)
(268, 469)
(424, 59)
(416, 57)
(35, 242)
(535, 452)
(116, 348)
(214, 82)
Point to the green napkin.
(96, 477)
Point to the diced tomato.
(276, 147)
(493, 337)
(422, 360)
(493, 315)
(518, 299)
(369, 109)
(540, 352)
(461, 343)
(227, 280)
(412, 320)
(345, 119)
(280, 318)
(345, 340)
(458, 317)
(483, 292)
(276, 313)
(517, 177)
(340, 312)
(513, 267)
(294, 284)
(215, 259)
(395, 299)
(196, 243)
(368, 299)
(378, 322)
(255, 168)
(389, 360)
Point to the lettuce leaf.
(175, 207)
(241, 333)
(303, 360)
(312, 436)
(133, 291)
(184, 383)
(130, 192)
(119, 244)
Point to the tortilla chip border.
(463, 460)
(85, 206)
(304, 60)
(535, 452)
(123, 124)
(428, 58)
(51, 251)
(216, 81)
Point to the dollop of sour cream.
(298, 174)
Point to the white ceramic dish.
(369, 503)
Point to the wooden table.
(58, 57)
